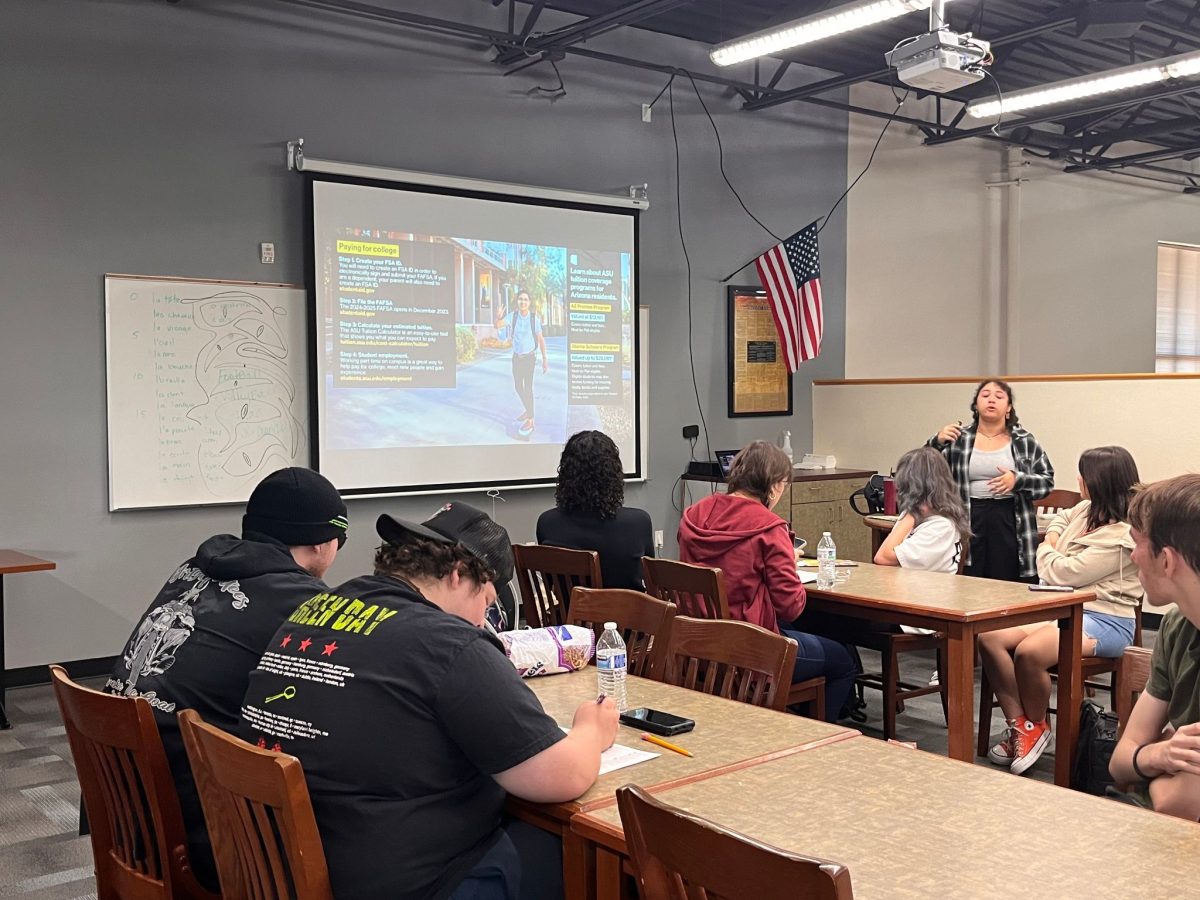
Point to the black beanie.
(298, 507)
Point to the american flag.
(791, 275)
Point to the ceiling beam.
(589, 27)
(1135, 132)
(1120, 162)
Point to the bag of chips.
(548, 651)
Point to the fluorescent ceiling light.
(1185, 65)
(816, 27)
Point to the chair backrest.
(138, 838)
(730, 659)
(547, 576)
(680, 856)
(259, 816)
(1133, 671)
(644, 622)
(1058, 500)
(697, 591)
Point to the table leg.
(609, 875)
(960, 691)
(1070, 693)
(4, 723)
(579, 867)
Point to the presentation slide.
(462, 339)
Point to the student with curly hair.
(589, 513)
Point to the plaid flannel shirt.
(1035, 479)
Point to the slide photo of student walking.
(440, 341)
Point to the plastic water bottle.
(611, 665)
(826, 561)
(786, 447)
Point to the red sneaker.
(1029, 740)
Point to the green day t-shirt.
(401, 714)
(1175, 669)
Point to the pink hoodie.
(753, 548)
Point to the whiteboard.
(207, 388)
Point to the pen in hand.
(600, 699)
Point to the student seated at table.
(412, 724)
(589, 515)
(202, 635)
(1088, 547)
(1160, 747)
(738, 533)
(930, 532)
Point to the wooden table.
(727, 737)
(11, 563)
(963, 607)
(909, 824)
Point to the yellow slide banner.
(362, 248)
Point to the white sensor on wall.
(266, 253)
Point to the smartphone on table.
(656, 721)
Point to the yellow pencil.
(654, 739)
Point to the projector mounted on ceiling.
(940, 61)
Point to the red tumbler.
(889, 496)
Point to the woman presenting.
(1000, 470)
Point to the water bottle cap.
(610, 626)
(826, 534)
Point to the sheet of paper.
(619, 756)
(807, 576)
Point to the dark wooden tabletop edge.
(1048, 601)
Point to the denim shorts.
(1111, 633)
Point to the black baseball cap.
(458, 523)
(298, 507)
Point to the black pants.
(522, 369)
(525, 863)
(994, 549)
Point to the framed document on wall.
(759, 383)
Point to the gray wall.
(143, 137)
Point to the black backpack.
(1094, 749)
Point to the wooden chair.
(138, 840)
(259, 816)
(547, 576)
(1133, 671)
(890, 645)
(1056, 501)
(680, 856)
(699, 592)
(644, 622)
(696, 591)
(1092, 667)
(729, 659)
